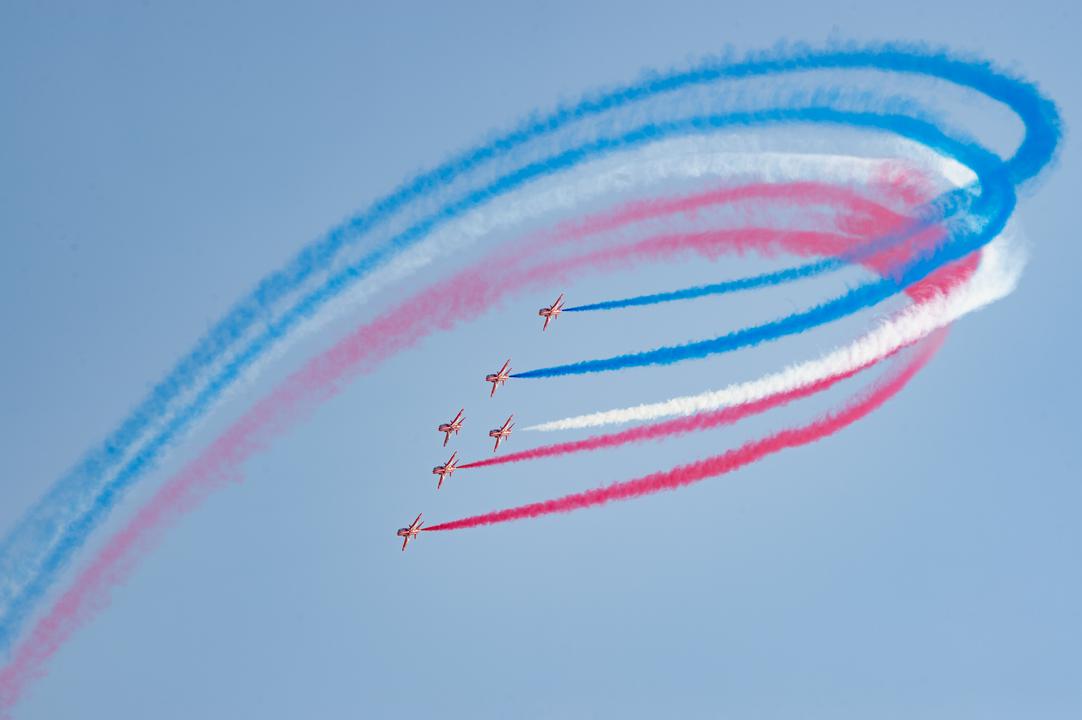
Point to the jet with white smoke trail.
(996, 277)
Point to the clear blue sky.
(155, 163)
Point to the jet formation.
(453, 427)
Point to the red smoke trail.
(720, 464)
(710, 244)
(654, 431)
(858, 216)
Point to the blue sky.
(158, 162)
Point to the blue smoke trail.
(947, 205)
(756, 281)
(861, 297)
(993, 207)
(22, 549)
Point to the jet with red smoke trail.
(499, 378)
(408, 533)
(550, 312)
(445, 470)
(452, 427)
(501, 433)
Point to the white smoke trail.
(997, 275)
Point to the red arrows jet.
(445, 470)
(550, 312)
(501, 433)
(452, 427)
(408, 533)
(499, 378)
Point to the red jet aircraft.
(501, 433)
(499, 378)
(452, 427)
(445, 470)
(408, 533)
(550, 312)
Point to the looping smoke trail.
(1037, 114)
(714, 466)
(34, 554)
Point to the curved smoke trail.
(32, 556)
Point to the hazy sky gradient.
(156, 162)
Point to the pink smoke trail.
(719, 464)
(861, 218)
(657, 431)
(800, 193)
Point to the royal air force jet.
(452, 427)
(408, 533)
(445, 470)
(499, 378)
(550, 312)
(501, 433)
